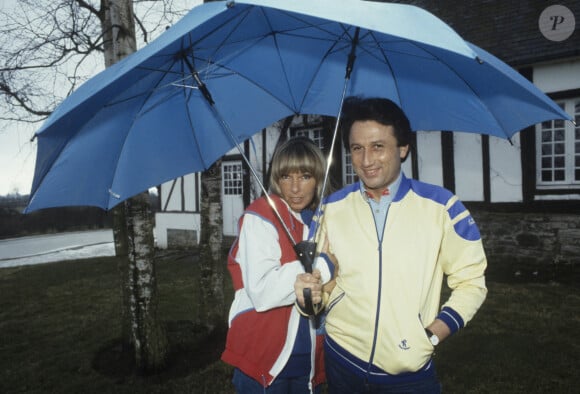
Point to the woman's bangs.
(292, 164)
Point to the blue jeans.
(342, 381)
(246, 385)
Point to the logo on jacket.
(403, 345)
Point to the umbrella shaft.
(352, 54)
(207, 95)
(228, 130)
(349, 67)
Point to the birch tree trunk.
(119, 42)
(212, 259)
(133, 224)
(148, 336)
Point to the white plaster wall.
(190, 197)
(557, 76)
(165, 189)
(468, 166)
(272, 134)
(407, 166)
(429, 157)
(505, 169)
(177, 220)
(175, 201)
(505, 166)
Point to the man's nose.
(366, 158)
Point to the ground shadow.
(191, 348)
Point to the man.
(393, 239)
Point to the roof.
(508, 29)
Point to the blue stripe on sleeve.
(456, 209)
(466, 227)
(451, 318)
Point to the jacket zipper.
(377, 313)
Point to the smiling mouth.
(371, 173)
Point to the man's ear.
(403, 152)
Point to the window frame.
(546, 134)
(232, 178)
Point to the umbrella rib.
(277, 46)
(210, 102)
(436, 59)
(330, 49)
(334, 42)
(139, 112)
(388, 64)
(252, 41)
(468, 85)
(275, 34)
(187, 95)
(184, 50)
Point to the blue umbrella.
(228, 69)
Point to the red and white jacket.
(263, 320)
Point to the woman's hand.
(311, 281)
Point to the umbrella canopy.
(240, 66)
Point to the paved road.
(54, 247)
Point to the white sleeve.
(268, 283)
(321, 264)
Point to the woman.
(270, 344)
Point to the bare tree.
(54, 42)
(133, 222)
(210, 290)
(47, 49)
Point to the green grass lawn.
(59, 326)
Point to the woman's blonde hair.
(298, 154)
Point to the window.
(558, 149)
(232, 178)
(315, 134)
(349, 175)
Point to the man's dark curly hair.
(381, 110)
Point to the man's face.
(376, 158)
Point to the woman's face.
(298, 189)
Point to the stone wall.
(543, 246)
(179, 239)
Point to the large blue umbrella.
(228, 69)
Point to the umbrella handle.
(306, 252)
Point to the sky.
(17, 157)
(17, 151)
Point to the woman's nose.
(295, 184)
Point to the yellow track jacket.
(388, 285)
